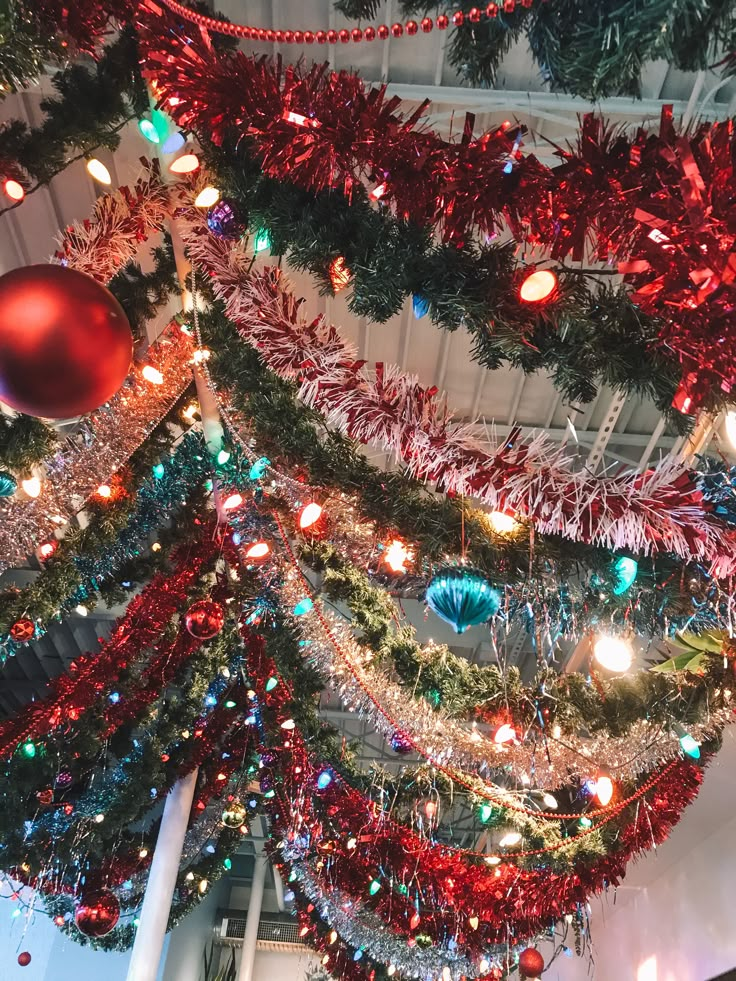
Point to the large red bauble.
(97, 914)
(204, 619)
(24, 958)
(65, 342)
(531, 963)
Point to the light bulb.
(396, 556)
(202, 887)
(207, 197)
(104, 490)
(173, 143)
(232, 501)
(31, 486)
(14, 190)
(550, 802)
(510, 839)
(185, 165)
(82, 611)
(259, 550)
(613, 653)
(148, 130)
(143, 853)
(97, 170)
(504, 734)
(502, 522)
(152, 375)
(310, 515)
(538, 286)
(603, 789)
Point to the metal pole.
(154, 916)
(248, 950)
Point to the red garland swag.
(453, 885)
(663, 205)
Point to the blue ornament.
(8, 484)
(624, 571)
(420, 305)
(462, 597)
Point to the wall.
(673, 919)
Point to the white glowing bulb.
(99, 818)
(613, 653)
(81, 610)
(549, 801)
(207, 197)
(152, 375)
(492, 860)
(510, 839)
(502, 522)
(97, 170)
(31, 486)
(603, 789)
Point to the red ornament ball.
(23, 631)
(531, 963)
(97, 913)
(24, 958)
(45, 797)
(65, 342)
(204, 619)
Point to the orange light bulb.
(538, 286)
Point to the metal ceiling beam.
(585, 436)
(544, 103)
(605, 431)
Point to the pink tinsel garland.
(659, 510)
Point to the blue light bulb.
(324, 780)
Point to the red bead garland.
(293, 36)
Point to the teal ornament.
(303, 606)
(462, 597)
(259, 468)
(8, 484)
(420, 305)
(624, 572)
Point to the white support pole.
(248, 950)
(154, 915)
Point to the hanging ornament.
(224, 221)
(624, 571)
(23, 630)
(204, 619)
(67, 345)
(63, 779)
(24, 958)
(339, 274)
(462, 597)
(531, 963)
(45, 797)
(400, 744)
(234, 815)
(8, 484)
(97, 913)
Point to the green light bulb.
(262, 240)
(29, 750)
(374, 887)
(271, 683)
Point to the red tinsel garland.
(146, 618)
(662, 204)
(509, 900)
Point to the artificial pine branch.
(141, 294)
(24, 441)
(91, 107)
(587, 337)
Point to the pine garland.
(593, 50)
(586, 338)
(288, 432)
